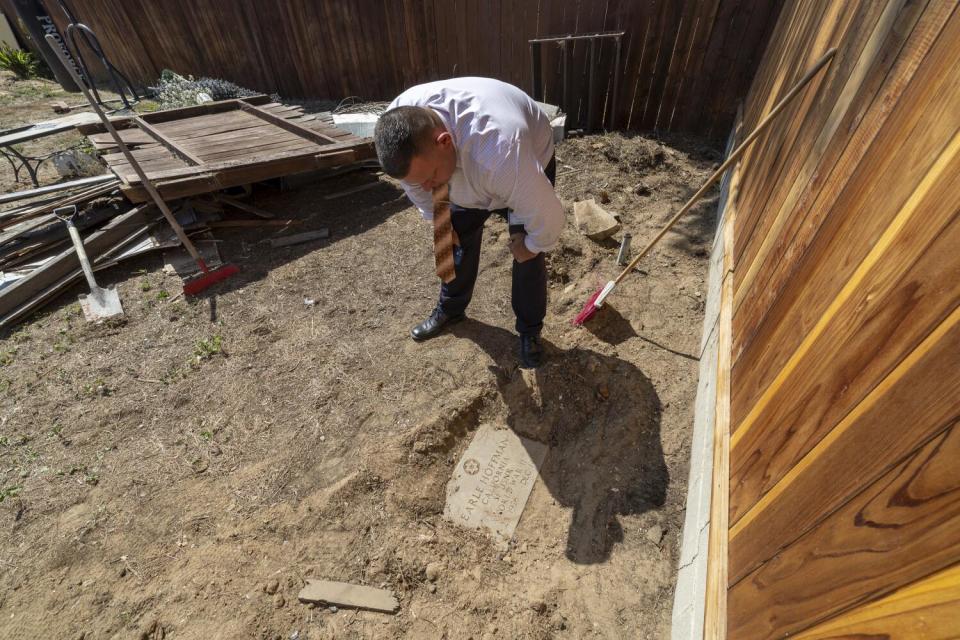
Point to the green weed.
(22, 63)
(206, 349)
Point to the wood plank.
(904, 288)
(359, 150)
(716, 610)
(156, 117)
(920, 392)
(901, 529)
(288, 125)
(300, 238)
(923, 123)
(53, 188)
(240, 144)
(170, 145)
(927, 609)
(236, 173)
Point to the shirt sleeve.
(520, 182)
(421, 199)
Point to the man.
(463, 149)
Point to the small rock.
(433, 571)
(655, 534)
(421, 446)
(278, 601)
(295, 635)
(309, 302)
(593, 221)
(271, 586)
(433, 588)
(603, 392)
(508, 559)
(333, 608)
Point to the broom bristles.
(209, 278)
(589, 310)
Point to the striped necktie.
(444, 237)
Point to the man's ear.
(444, 139)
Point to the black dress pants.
(529, 289)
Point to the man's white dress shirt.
(504, 142)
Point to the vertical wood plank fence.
(685, 64)
(844, 488)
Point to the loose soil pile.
(179, 474)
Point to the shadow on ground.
(601, 418)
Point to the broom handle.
(126, 154)
(733, 158)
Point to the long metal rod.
(535, 71)
(734, 156)
(591, 91)
(616, 85)
(585, 36)
(566, 77)
(131, 160)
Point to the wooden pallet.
(222, 144)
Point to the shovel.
(101, 303)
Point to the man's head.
(414, 146)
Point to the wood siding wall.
(844, 495)
(685, 66)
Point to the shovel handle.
(81, 252)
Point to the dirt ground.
(179, 474)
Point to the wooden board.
(222, 144)
(902, 528)
(928, 609)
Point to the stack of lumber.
(37, 259)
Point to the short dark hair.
(400, 134)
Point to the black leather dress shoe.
(434, 325)
(531, 351)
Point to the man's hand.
(519, 249)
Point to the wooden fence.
(844, 484)
(685, 66)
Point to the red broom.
(600, 295)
